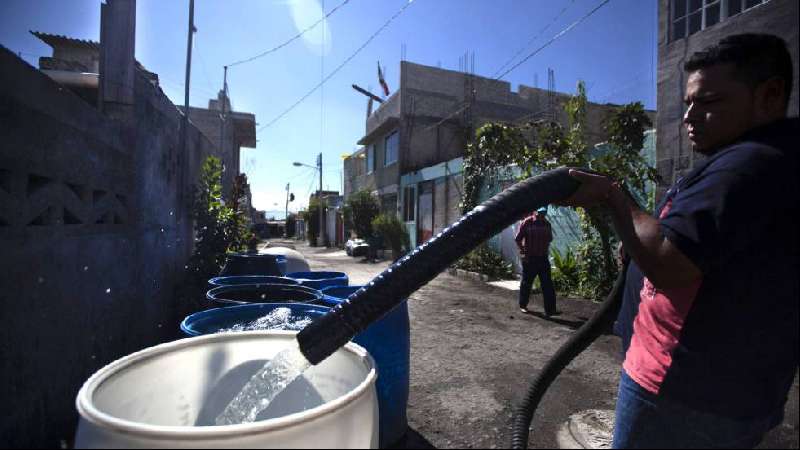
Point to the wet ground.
(473, 354)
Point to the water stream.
(264, 386)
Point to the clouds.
(306, 13)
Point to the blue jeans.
(532, 268)
(644, 420)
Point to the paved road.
(473, 354)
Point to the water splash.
(277, 319)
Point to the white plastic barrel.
(295, 261)
(157, 398)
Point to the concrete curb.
(465, 274)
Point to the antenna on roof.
(551, 88)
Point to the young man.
(533, 240)
(709, 321)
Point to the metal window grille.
(691, 16)
(390, 148)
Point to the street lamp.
(319, 194)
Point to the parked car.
(356, 247)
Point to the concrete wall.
(437, 103)
(95, 233)
(674, 154)
(210, 124)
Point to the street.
(473, 354)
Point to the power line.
(465, 105)
(554, 38)
(202, 64)
(195, 89)
(630, 82)
(292, 39)
(335, 71)
(538, 35)
(305, 173)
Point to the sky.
(614, 51)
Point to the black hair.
(757, 58)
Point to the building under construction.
(414, 142)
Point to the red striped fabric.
(534, 236)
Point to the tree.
(311, 218)
(219, 228)
(498, 145)
(360, 210)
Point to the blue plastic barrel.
(241, 294)
(389, 342)
(320, 280)
(249, 279)
(254, 264)
(214, 320)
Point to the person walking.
(533, 240)
(709, 319)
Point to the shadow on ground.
(571, 324)
(412, 439)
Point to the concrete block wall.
(210, 124)
(430, 95)
(95, 233)
(389, 108)
(673, 149)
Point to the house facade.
(411, 154)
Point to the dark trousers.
(537, 267)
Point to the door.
(425, 212)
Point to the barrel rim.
(215, 281)
(211, 294)
(185, 323)
(88, 411)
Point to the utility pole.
(222, 117)
(185, 131)
(188, 62)
(319, 199)
(286, 214)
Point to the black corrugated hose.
(576, 344)
(333, 330)
(330, 332)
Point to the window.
(391, 145)
(371, 159)
(691, 16)
(389, 204)
(409, 203)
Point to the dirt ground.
(473, 354)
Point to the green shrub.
(566, 272)
(392, 232)
(219, 228)
(486, 261)
(311, 218)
